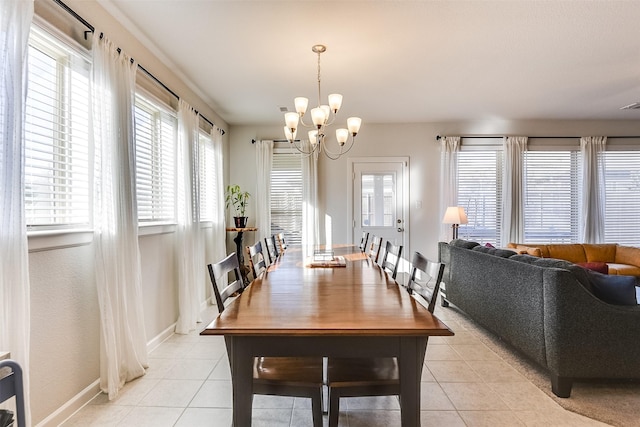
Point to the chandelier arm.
(303, 151)
(342, 150)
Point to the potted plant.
(238, 199)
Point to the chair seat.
(294, 371)
(372, 371)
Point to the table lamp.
(455, 215)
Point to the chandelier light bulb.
(290, 136)
(291, 119)
(301, 104)
(342, 135)
(313, 137)
(327, 113)
(353, 123)
(318, 116)
(335, 102)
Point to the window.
(622, 206)
(286, 195)
(378, 200)
(480, 193)
(56, 134)
(156, 135)
(208, 184)
(551, 185)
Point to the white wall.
(418, 142)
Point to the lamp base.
(455, 231)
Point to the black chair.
(272, 248)
(427, 285)
(282, 245)
(276, 376)
(374, 248)
(388, 263)
(363, 241)
(256, 259)
(354, 377)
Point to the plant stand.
(244, 270)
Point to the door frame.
(405, 194)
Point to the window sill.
(58, 239)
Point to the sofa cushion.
(528, 259)
(570, 252)
(580, 274)
(619, 290)
(461, 243)
(600, 267)
(537, 252)
(628, 255)
(600, 252)
(624, 269)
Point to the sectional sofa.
(549, 310)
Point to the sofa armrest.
(628, 255)
(586, 337)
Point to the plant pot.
(240, 221)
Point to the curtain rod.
(147, 72)
(253, 141)
(439, 137)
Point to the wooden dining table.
(354, 310)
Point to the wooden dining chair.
(275, 376)
(355, 377)
(363, 241)
(391, 263)
(271, 248)
(282, 245)
(374, 248)
(257, 261)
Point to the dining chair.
(390, 264)
(271, 248)
(374, 248)
(257, 261)
(363, 241)
(356, 377)
(275, 376)
(282, 245)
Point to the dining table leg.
(242, 381)
(412, 351)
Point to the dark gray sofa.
(548, 313)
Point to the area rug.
(613, 402)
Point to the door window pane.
(378, 200)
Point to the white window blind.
(286, 196)
(480, 193)
(552, 188)
(622, 206)
(208, 198)
(156, 135)
(56, 134)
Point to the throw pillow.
(600, 267)
(619, 290)
(529, 259)
(489, 245)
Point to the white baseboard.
(67, 410)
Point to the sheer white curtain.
(219, 227)
(310, 220)
(593, 189)
(15, 21)
(189, 241)
(449, 147)
(264, 159)
(513, 190)
(123, 343)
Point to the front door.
(380, 200)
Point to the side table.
(244, 270)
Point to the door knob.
(400, 229)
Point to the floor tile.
(452, 371)
(473, 397)
(142, 416)
(205, 417)
(171, 393)
(495, 371)
(373, 418)
(440, 419)
(213, 394)
(490, 419)
(433, 398)
(474, 352)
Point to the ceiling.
(400, 61)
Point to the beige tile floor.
(464, 383)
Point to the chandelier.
(322, 116)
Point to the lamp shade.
(455, 215)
